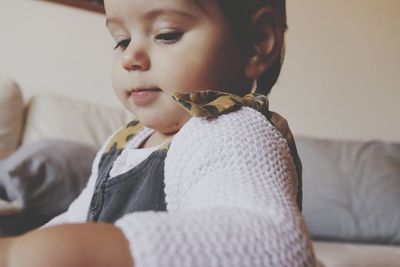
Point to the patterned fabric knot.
(211, 104)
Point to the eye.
(123, 44)
(169, 37)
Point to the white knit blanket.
(230, 187)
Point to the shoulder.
(239, 148)
(243, 128)
(242, 136)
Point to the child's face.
(167, 46)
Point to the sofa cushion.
(11, 116)
(333, 254)
(351, 190)
(45, 176)
(61, 117)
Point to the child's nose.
(135, 58)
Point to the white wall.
(52, 47)
(341, 78)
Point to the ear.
(266, 41)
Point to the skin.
(187, 48)
(74, 245)
(204, 56)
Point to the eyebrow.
(155, 13)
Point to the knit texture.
(230, 187)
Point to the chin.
(152, 122)
(160, 125)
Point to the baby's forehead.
(141, 6)
(129, 11)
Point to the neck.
(156, 139)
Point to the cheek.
(117, 81)
(116, 74)
(199, 65)
(187, 73)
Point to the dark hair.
(239, 14)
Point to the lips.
(143, 90)
(143, 96)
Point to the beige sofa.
(44, 116)
(24, 121)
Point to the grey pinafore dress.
(138, 189)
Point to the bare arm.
(74, 245)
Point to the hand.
(5, 244)
(80, 245)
